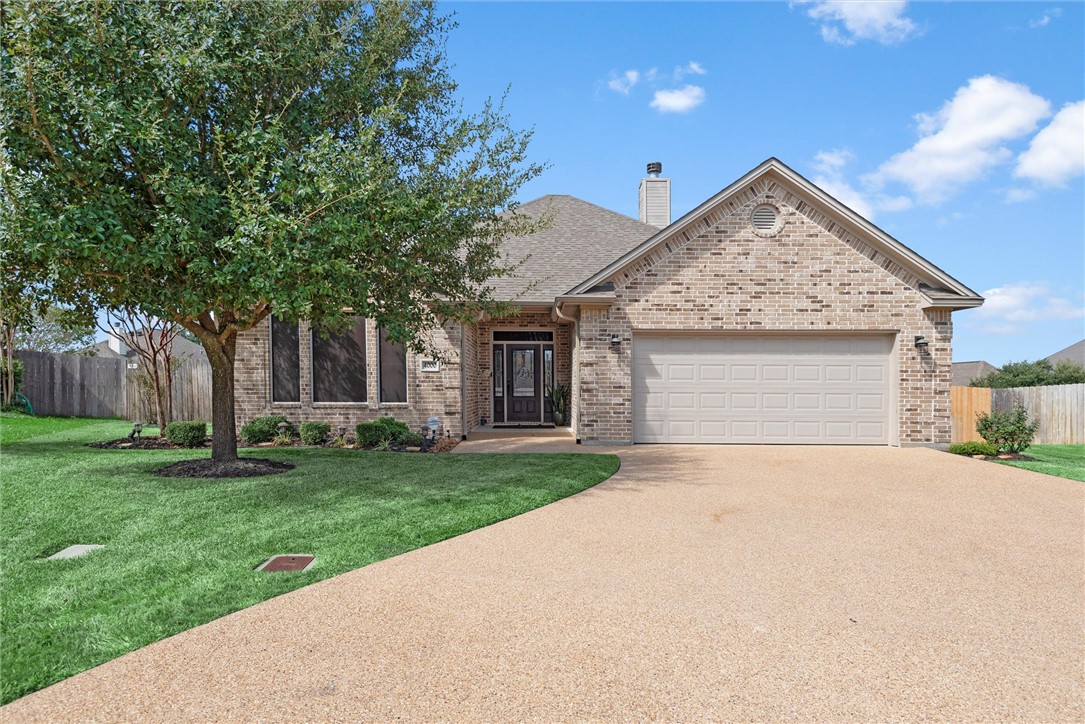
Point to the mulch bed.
(1004, 456)
(151, 442)
(206, 468)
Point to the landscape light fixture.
(342, 431)
(921, 342)
(137, 430)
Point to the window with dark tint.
(523, 336)
(393, 370)
(339, 366)
(285, 362)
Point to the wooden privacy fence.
(71, 385)
(191, 393)
(1060, 410)
(965, 403)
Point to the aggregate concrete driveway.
(700, 583)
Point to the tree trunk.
(223, 426)
(169, 390)
(156, 382)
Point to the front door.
(523, 385)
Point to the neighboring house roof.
(1074, 353)
(580, 239)
(937, 287)
(181, 348)
(964, 372)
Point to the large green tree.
(215, 163)
(1033, 374)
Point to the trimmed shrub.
(186, 433)
(411, 439)
(973, 447)
(1008, 431)
(264, 429)
(314, 433)
(382, 430)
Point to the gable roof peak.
(954, 293)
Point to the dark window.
(523, 336)
(393, 370)
(339, 366)
(285, 362)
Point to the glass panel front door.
(524, 402)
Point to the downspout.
(576, 338)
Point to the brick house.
(771, 313)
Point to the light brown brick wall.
(815, 275)
(429, 393)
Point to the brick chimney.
(655, 197)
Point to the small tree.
(151, 338)
(1009, 431)
(219, 162)
(56, 330)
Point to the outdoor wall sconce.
(615, 340)
(921, 342)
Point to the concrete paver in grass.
(76, 551)
(699, 583)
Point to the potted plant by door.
(558, 397)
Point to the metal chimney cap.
(655, 168)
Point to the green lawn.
(181, 552)
(1065, 461)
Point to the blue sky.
(959, 128)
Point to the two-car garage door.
(810, 389)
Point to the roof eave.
(931, 301)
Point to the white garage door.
(762, 389)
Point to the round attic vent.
(765, 219)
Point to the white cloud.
(1017, 196)
(678, 100)
(951, 218)
(829, 167)
(830, 178)
(1046, 18)
(846, 22)
(693, 67)
(1057, 153)
(964, 139)
(623, 83)
(1010, 306)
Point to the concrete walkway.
(700, 583)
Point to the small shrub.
(264, 429)
(411, 439)
(314, 433)
(18, 369)
(1008, 431)
(382, 430)
(283, 439)
(186, 433)
(973, 447)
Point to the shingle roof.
(964, 372)
(1074, 353)
(181, 348)
(581, 239)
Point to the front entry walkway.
(525, 439)
(699, 583)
